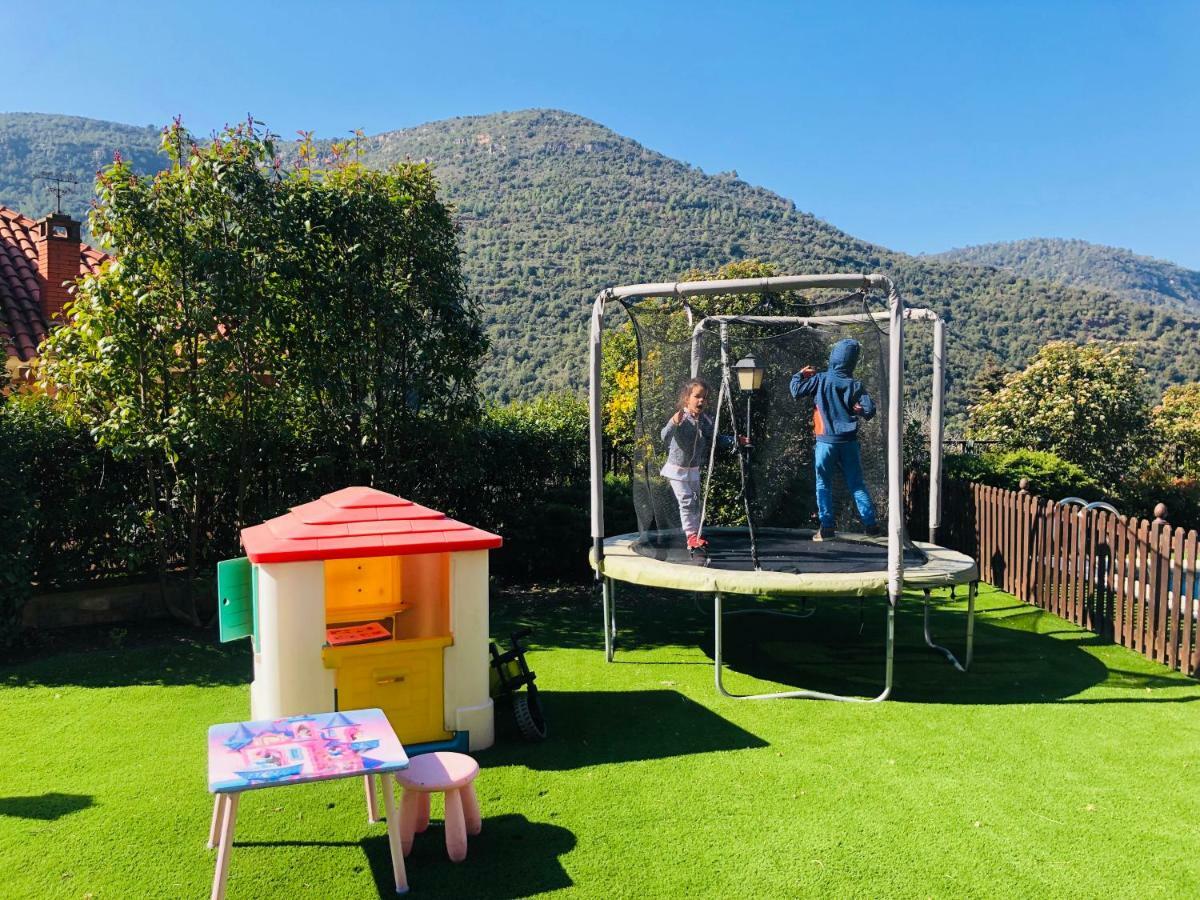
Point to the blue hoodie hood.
(840, 401)
(844, 357)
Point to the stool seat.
(442, 772)
(433, 772)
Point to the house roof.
(356, 522)
(23, 323)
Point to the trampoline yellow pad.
(793, 564)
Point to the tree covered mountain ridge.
(1072, 261)
(554, 207)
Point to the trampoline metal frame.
(610, 639)
(718, 617)
(972, 590)
(896, 315)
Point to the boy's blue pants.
(845, 457)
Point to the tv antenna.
(60, 182)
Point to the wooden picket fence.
(1131, 580)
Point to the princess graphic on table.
(298, 748)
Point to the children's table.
(246, 756)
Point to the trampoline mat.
(792, 563)
(779, 550)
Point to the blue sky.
(920, 126)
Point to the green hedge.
(1049, 476)
(80, 516)
(520, 470)
(16, 559)
(74, 512)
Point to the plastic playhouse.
(364, 599)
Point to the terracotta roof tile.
(23, 324)
(360, 521)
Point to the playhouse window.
(373, 599)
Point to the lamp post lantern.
(749, 373)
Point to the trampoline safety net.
(688, 468)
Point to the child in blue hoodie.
(839, 402)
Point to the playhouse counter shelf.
(363, 599)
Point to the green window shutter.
(235, 603)
(254, 591)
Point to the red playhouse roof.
(360, 521)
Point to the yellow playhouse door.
(402, 678)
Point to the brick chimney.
(57, 245)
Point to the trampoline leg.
(971, 592)
(717, 619)
(612, 614)
(799, 695)
(607, 602)
(891, 650)
(966, 664)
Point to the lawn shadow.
(45, 807)
(589, 728)
(166, 654)
(1022, 653)
(1010, 665)
(512, 857)
(570, 618)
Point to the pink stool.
(451, 774)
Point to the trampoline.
(760, 542)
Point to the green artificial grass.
(1060, 766)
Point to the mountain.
(555, 207)
(34, 144)
(1139, 278)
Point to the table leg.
(393, 827)
(229, 820)
(456, 828)
(470, 805)
(215, 828)
(372, 804)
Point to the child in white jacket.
(688, 435)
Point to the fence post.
(1162, 564)
(1024, 552)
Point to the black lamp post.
(749, 376)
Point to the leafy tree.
(988, 380)
(1086, 404)
(1176, 421)
(260, 317)
(383, 340)
(167, 347)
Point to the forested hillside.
(554, 207)
(1123, 272)
(33, 144)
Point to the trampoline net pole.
(895, 448)
(596, 433)
(936, 429)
